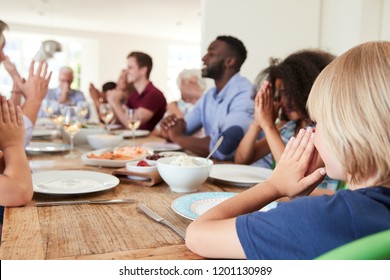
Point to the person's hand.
(96, 95)
(11, 125)
(168, 122)
(265, 114)
(36, 85)
(114, 96)
(295, 173)
(177, 130)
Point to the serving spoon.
(216, 146)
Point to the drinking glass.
(133, 121)
(106, 114)
(71, 125)
(58, 116)
(83, 110)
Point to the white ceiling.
(174, 19)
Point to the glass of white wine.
(106, 114)
(71, 125)
(83, 110)
(133, 121)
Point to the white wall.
(267, 28)
(279, 27)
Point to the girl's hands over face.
(11, 125)
(295, 174)
(265, 114)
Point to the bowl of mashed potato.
(183, 173)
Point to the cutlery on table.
(216, 146)
(149, 212)
(78, 202)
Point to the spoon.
(216, 146)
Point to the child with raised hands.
(15, 178)
(350, 103)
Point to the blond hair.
(351, 99)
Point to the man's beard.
(214, 71)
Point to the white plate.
(66, 182)
(191, 206)
(45, 133)
(47, 147)
(129, 133)
(239, 175)
(162, 147)
(106, 162)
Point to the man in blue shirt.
(64, 94)
(226, 109)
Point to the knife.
(160, 219)
(78, 202)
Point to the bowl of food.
(184, 173)
(99, 141)
(142, 166)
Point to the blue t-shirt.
(228, 112)
(307, 227)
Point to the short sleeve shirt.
(151, 99)
(228, 112)
(307, 227)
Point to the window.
(22, 47)
(180, 57)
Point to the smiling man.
(148, 100)
(226, 109)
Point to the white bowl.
(133, 167)
(99, 141)
(184, 179)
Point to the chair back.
(372, 247)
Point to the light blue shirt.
(228, 113)
(75, 96)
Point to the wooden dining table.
(112, 231)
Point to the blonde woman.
(350, 102)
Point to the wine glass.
(71, 125)
(83, 110)
(133, 121)
(106, 114)
(57, 113)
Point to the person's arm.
(245, 153)
(15, 181)
(173, 109)
(114, 98)
(214, 233)
(96, 95)
(16, 92)
(266, 118)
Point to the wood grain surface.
(115, 231)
